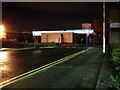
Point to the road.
(14, 63)
(81, 71)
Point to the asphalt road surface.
(81, 71)
(13, 63)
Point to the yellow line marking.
(42, 68)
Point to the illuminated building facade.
(67, 37)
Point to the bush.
(25, 45)
(116, 57)
(115, 82)
(115, 62)
(50, 44)
(10, 44)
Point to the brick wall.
(98, 28)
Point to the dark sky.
(26, 16)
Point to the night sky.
(26, 16)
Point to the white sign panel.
(114, 25)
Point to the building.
(98, 29)
(115, 26)
(19, 37)
(16, 40)
(61, 37)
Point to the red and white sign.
(86, 26)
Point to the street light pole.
(104, 26)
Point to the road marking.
(42, 68)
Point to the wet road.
(13, 63)
(81, 72)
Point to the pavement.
(103, 82)
(82, 71)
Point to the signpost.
(87, 27)
(35, 41)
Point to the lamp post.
(87, 39)
(103, 26)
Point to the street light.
(2, 28)
(2, 34)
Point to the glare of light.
(2, 32)
(2, 35)
(3, 68)
(2, 28)
(3, 57)
(3, 60)
(36, 33)
(78, 31)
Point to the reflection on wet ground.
(13, 63)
